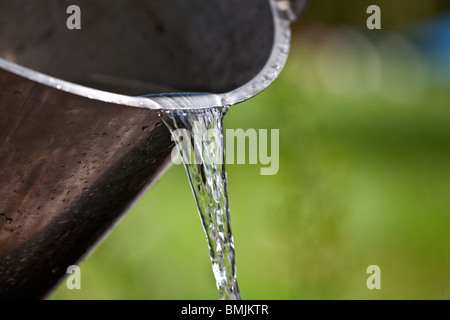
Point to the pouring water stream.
(200, 140)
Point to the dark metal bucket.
(78, 142)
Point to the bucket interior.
(138, 47)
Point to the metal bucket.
(79, 143)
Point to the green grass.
(363, 180)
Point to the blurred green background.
(364, 178)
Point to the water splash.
(200, 141)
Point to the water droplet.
(285, 48)
(277, 67)
(6, 219)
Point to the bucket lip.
(270, 71)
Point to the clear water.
(203, 154)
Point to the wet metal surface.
(69, 168)
(78, 146)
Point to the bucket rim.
(183, 100)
